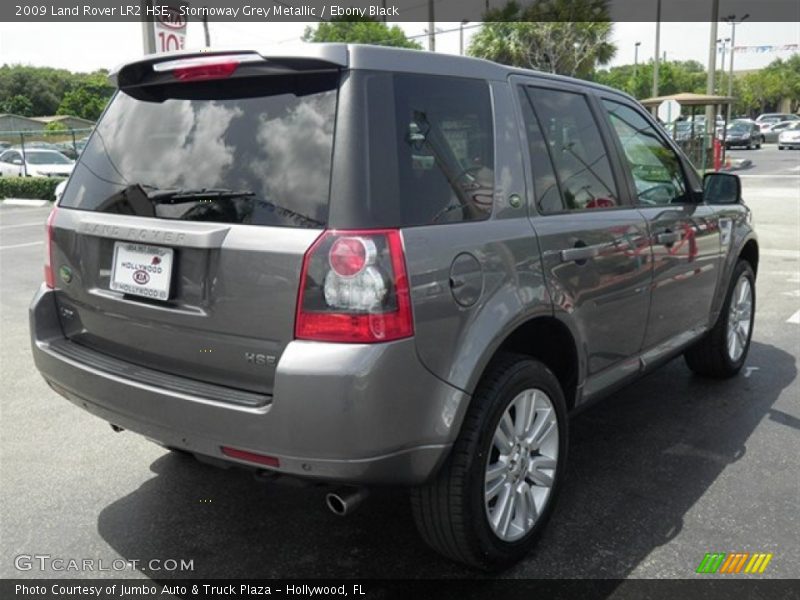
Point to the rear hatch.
(178, 242)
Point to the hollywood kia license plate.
(142, 270)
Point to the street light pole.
(658, 49)
(711, 110)
(733, 23)
(724, 43)
(205, 31)
(636, 58)
(431, 28)
(461, 36)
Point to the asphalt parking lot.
(661, 473)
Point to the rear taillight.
(354, 288)
(49, 276)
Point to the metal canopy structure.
(698, 153)
(688, 99)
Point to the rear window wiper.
(179, 196)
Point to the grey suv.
(371, 266)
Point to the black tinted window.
(548, 196)
(428, 143)
(256, 153)
(577, 149)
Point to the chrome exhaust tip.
(344, 501)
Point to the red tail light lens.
(49, 275)
(354, 288)
(348, 255)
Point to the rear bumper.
(361, 414)
(740, 143)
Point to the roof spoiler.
(306, 57)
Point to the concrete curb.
(24, 202)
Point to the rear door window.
(257, 153)
(577, 149)
(548, 196)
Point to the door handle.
(669, 237)
(579, 254)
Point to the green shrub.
(38, 188)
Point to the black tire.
(450, 510)
(710, 357)
(780, 147)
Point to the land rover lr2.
(372, 266)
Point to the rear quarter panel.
(456, 342)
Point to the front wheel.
(722, 351)
(493, 496)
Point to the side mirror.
(16, 161)
(722, 188)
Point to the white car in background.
(790, 137)
(767, 121)
(35, 162)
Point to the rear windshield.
(256, 152)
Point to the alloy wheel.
(740, 316)
(521, 467)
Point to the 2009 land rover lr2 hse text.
(374, 266)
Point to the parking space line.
(34, 224)
(18, 211)
(20, 245)
(795, 318)
(776, 176)
(775, 253)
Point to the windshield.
(46, 158)
(255, 151)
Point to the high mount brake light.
(204, 68)
(219, 70)
(354, 288)
(49, 274)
